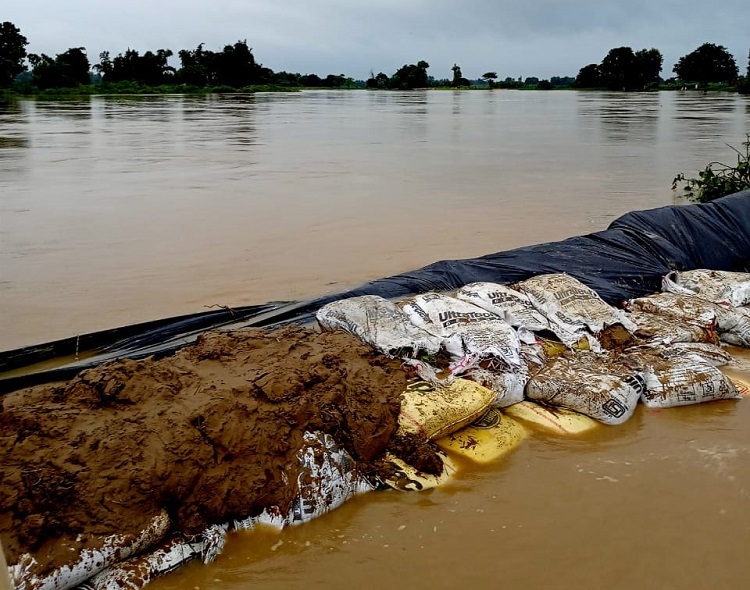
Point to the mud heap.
(208, 434)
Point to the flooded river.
(119, 210)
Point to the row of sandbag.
(504, 337)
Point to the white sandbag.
(710, 353)
(89, 561)
(586, 383)
(467, 330)
(407, 478)
(136, 572)
(733, 325)
(380, 323)
(571, 304)
(329, 477)
(508, 387)
(657, 328)
(513, 306)
(718, 286)
(682, 381)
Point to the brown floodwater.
(119, 210)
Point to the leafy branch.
(718, 179)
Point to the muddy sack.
(568, 302)
(137, 572)
(717, 286)
(328, 478)
(732, 323)
(586, 383)
(469, 332)
(681, 381)
(88, 562)
(513, 306)
(658, 329)
(710, 353)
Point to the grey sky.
(512, 37)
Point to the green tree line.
(234, 67)
(625, 69)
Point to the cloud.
(514, 37)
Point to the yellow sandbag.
(551, 420)
(487, 439)
(740, 379)
(552, 348)
(407, 479)
(434, 412)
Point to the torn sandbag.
(717, 286)
(590, 384)
(515, 308)
(680, 380)
(573, 305)
(88, 562)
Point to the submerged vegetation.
(718, 179)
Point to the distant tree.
(708, 63)
(311, 81)
(744, 86)
(544, 85)
(618, 69)
(623, 69)
(588, 77)
(337, 81)
(236, 66)
(648, 64)
(560, 81)
(458, 79)
(490, 78)
(196, 68)
(67, 70)
(410, 76)
(12, 53)
(379, 82)
(151, 69)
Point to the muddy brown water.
(114, 211)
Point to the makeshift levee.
(408, 373)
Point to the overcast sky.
(512, 37)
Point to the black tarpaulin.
(626, 260)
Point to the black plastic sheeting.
(626, 260)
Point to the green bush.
(718, 179)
